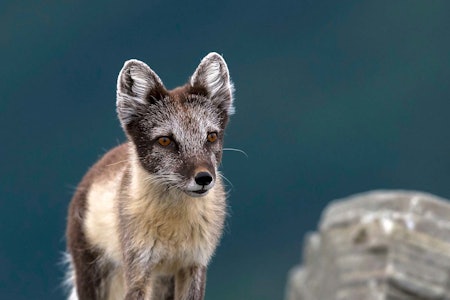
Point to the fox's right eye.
(164, 141)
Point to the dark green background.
(332, 98)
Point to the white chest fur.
(174, 230)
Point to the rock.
(381, 245)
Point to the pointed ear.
(137, 87)
(212, 76)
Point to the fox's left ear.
(137, 87)
(212, 77)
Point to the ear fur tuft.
(137, 85)
(212, 75)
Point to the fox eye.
(164, 141)
(212, 137)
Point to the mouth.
(197, 193)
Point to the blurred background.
(332, 98)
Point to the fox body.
(146, 219)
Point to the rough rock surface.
(381, 245)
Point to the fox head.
(177, 134)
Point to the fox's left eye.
(212, 137)
(164, 141)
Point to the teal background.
(332, 98)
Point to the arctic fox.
(146, 219)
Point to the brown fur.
(84, 255)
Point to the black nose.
(203, 178)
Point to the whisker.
(227, 180)
(236, 150)
(170, 180)
(118, 162)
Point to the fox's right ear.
(137, 87)
(213, 77)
